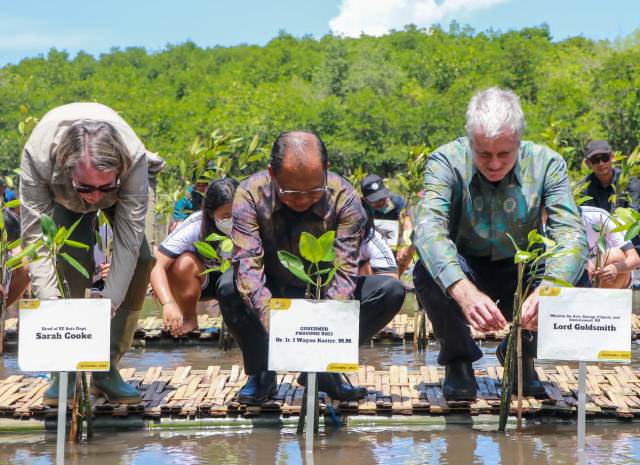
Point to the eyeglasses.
(84, 189)
(308, 193)
(602, 158)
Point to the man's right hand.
(480, 311)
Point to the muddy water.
(543, 444)
(615, 443)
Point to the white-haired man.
(477, 189)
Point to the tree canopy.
(371, 99)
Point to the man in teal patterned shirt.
(476, 190)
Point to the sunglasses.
(84, 189)
(602, 158)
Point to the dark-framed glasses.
(601, 158)
(85, 189)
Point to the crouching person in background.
(271, 210)
(177, 278)
(81, 158)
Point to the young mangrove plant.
(530, 272)
(224, 246)
(9, 262)
(316, 251)
(55, 238)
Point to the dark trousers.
(380, 299)
(497, 279)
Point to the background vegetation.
(371, 99)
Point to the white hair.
(493, 112)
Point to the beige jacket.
(43, 182)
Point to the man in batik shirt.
(270, 211)
(478, 189)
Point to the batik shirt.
(462, 212)
(262, 226)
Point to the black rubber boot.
(532, 386)
(333, 385)
(459, 381)
(258, 388)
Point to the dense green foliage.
(371, 99)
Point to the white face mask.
(224, 225)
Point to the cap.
(597, 147)
(373, 188)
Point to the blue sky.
(32, 27)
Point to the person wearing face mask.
(177, 278)
(271, 210)
(81, 158)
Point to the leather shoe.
(459, 381)
(258, 388)
(332, 385)
(531, 384)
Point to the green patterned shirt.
(461, 212)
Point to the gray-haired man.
(477, 190)
(81, 158)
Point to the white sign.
(64, 335)
(581, 324)
(314, 336)
(389, 229)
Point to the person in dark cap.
(385, 205)
(603, 184)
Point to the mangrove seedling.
(316, 251)
(529, 268)
(9, 263)
(55, 238)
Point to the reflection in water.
(614, 444)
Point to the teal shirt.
(461, 212)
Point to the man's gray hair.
(99, 141)
(495, 111)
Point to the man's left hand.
(529, 316)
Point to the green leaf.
(14, 244)
(215, 237)
(332, 273)
(76, 244)
(206, 250)
(311, 248)
(72, 228)
(226, 246)
(74, 263)
(602, 244)
(632, 232)
(225, 265)
(326, 242)
(12, 204)
(49, 228)
(211, 270)
(523, 256)
(294, 265)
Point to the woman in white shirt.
(376, 257)
(177, 278)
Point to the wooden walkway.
(196, 394)
(151, 331)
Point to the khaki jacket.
(43, 182)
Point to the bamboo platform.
(199, 394)
(151, 332)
